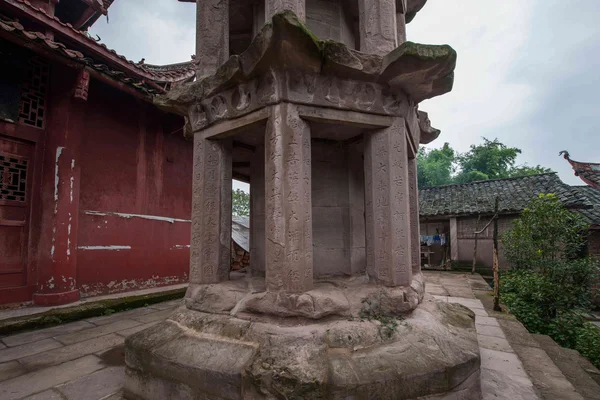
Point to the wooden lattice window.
(33, 94)
(13, 177)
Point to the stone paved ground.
(84, 360)
(77, 361)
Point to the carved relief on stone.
(211, 211)
(377, 21)
(288, 204)
(386, 206)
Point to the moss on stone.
(59, 316)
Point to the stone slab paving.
(84, 360)
(77, 361)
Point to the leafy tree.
(240, 203)
(546, 232)
(435, 166)
(490, 160)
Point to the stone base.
(431, 353)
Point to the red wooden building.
(95, 182)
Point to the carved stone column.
(212, 35)
(257, 212)
(387, 206)
(400, 28)
(289, 253)
(210, 255)
(377, 26)
(401, 8)
(276, 6)
(415, 234)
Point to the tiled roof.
(593, 196)
(586, 171)
(479, 197)
(105, 60)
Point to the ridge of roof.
(488, 180)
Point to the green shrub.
(550, 285)
(545, 232)
(588, 343)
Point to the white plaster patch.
(128, 216)
(181, 246)
(110, 248)
(59, 151)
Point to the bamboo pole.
(495, 266)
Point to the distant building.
(453, 210)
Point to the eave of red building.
(83, 51)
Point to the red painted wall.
(135, 196)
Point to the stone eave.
(414, 70)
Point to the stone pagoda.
(317, 109)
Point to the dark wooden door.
(16, 170)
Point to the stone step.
(546, 377)
(576, 368)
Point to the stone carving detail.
(241, 97)
(211, 211)
(377, 26)
(387, 206)
(276, 6)
(288, 202)
(413, 195)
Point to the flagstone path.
(84, 360)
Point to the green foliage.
(240, 203)
(551, 286)
(546, 232)
(490, 160)
(435, 166)
(588, 343)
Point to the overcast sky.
(528, 71)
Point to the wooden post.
(475, 246)
(496, 276)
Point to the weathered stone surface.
(34, 336)
(422, 71)
(285, 61)
(13, 353)
(39, 381)
(298, 7)
(432, 351)
(94, 386)
(412, 8)
(211, 211)
(377, 26)
(427, 133)
(212, 35)
(289, 256)
(387, 206)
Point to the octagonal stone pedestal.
(430, 353)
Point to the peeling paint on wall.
(128, 216)
(181, 246)
(59, 151)
(110, 248)
(130, 284)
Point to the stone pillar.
(377, 26)
(453, 239)
(212, 35)
(276, 6)
(400, 28)
(387, 205)
(257, 212)
(415, 234)
(289, 253)
(210, 250)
